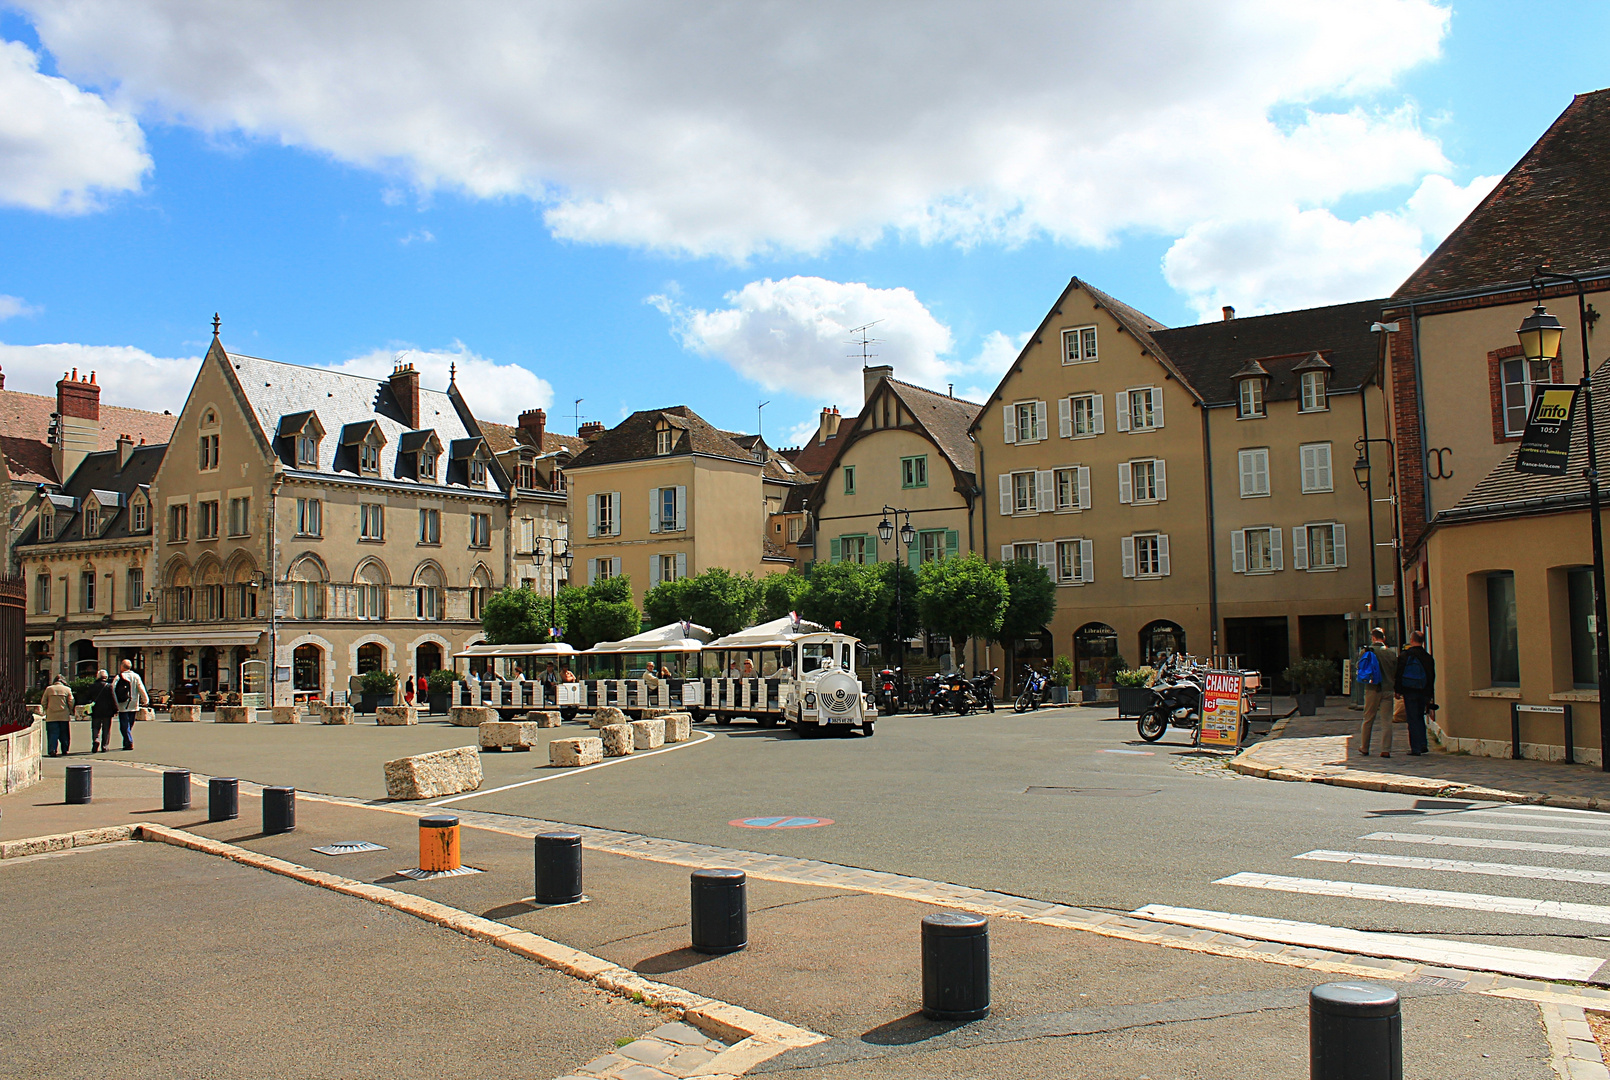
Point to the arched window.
(1095, 654)
(242, 592)
(370, 589)
(307, 589)
(480, 591)
(371, 657)
(1159, 640)
(179, 594)
(209, 591)
(307, 668)
(429, 598)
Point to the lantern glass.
(1361, 470)
(1539, 335)
(908, 535)
(885, 530)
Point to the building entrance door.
(1263, 645)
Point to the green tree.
(602, 611)
(779, 594)
(718, 599)
(903, 619)
(851, 595)
(1031, 600)
(962, 599)
(515, 616)
(667, 602)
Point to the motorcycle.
(1036, 687)
(1178, 694)
(982, 687)
(952, 692)
(889, 695)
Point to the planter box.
(1132, 700)
(1059, 695)
(438, 703)
(1309, 704)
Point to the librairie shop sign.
(1546, 443)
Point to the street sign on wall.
(1546, 443)
(1221, 709)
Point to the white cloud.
(13, 306)
(737, 129)
(1288, 258)
(62, 149)
(422, 236)
(494, 391)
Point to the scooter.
(1035, 687)
(889, 695)
(1178, 694)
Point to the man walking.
(102, 706)
(1414, 682)
(1374, 661)
(131, 697)
(58, 702)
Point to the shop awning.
(177, 639)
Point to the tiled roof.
(633, 439)
(945, 418)
(1211, 354)
(504, 437)
(25, 418)
(1552, 207)
(814, 457)
(99, 473)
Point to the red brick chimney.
(1229, 312)
(591, 430)
(536, 422)
(79, 398)
(405, 388)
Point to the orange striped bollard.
(438, 842)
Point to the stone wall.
(20, 754)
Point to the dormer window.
(140, 516)
(1251, 397)
(92, 522)
(1252, 381)
(664, 440)
(477, 473)
(307, 451)
(1314, 392)
(47, 522)
(556, 479)
(302, 436)
(525, 475)
(427, 465)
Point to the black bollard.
(223, 798)
(176, 789)
(279, 810)
(78, 784)
(1355, 1032)
(720, 911)
(558, 859)
(955, 966)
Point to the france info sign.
(1547, 440)
(1221, 711)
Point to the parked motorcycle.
(1178, 694)
(982, 688)
(1036, 688)
(889, 696)
(952, 693)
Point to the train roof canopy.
(672, 637)
(769, 635)
(550, 648)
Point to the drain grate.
(348, 847)
(1097, 792)
(431, 875)
(1438, 980)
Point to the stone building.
(535, 459)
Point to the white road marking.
(701, 736)
(1458, 821)
(1358, 890)
(1543, 813)
(1527, 963)
(1489, 843)
(1456, 866)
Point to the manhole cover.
(1096, 792)
(348, 847)
(781, 822)
(432, 875)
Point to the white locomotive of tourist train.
(787, 671)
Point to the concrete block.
(571, 752)
(185, 714)
(517, 734)
(429, 776)
(396, 715)
(544, 719)
(650, 714)
(618, 740)
(678, 727)
(286, 714)
(647, 734)
(605, 716)
(145, 714)
(337, 714)
(234, 714)
(469, 715)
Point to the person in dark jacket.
(1415, 681)
(102, 707)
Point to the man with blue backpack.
(1414, 682)
(1375, 661)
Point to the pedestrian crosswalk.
(1551, 891)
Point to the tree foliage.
(962, 598)
(1031, 600)
(515, 616)
(851, 595)
(602, 611)
(778, 594)
(718, 599)
(904, 620)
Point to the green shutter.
(914, 553)
(950, 543)
(871, 543)
(835, 549)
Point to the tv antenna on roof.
(578, 414)
(866, 342)
(759, 407)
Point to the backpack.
(124, 691)
(1413, 675)
(1369, 668)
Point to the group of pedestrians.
(122, 697)
(1412, 675)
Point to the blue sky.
(530, 198)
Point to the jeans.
(100, 731)
(1414, 706)
(125, 728)
(57, 733)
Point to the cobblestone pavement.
(669, 1052)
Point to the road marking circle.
(781, 822)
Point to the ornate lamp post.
(908, 536)
(555, 559)
(1361, 473)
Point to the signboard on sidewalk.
(1221, 709)
(1547, 440)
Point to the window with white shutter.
(1126, 485)
(1326, 547)
(1316, 467)
(1252, 551)
(1121, 409)
(1006, 494)
(1044, 490)
(1024, 490)
(1146, 555)
(1145, 411)
(1254, 469)
(1083, 413)
(1126, 545)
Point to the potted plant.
(439, 689)
(1061, 673)
(1309, 679)
(379, 688)
(1133, 695)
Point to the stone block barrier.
(396, 715)
(514, 734)
(605, 716)
(648, 734)
(145, 714)
(678, 727)
(544, 718)
(618, 740)
(572, 752)
(21, 754)
(234, 714)
(286, 714)
(337, 714)
(185, 714)
(432, 775)
(469, 715)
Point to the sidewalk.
(1323, 749)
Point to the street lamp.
(908, 536)
(1362, 475)
(1540, 335)
(560, 558)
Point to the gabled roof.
(98, 475)
(944, 419)
(25, 418)
(1552, 207)
(814, 457)
(505, 437)
(633, 439)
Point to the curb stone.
(1573, 1051)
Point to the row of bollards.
(223, 797)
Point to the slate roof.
(1211, 354)
(99, 473)
(278, 390)
(633, 439)
(1552, 207)
(25, 418)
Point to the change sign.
(1547, 440)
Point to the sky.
(642, 205)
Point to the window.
(1140, 409)
(558, 479)
(480, 530)
(664, 441)
(307, 599)
(606, 513)
(245, 600)
(666, 508)
(1313, 392)
(604, 570)
(1142, 481)
(430, 526)
(1319, 547)
(1079, 345)
(667, 567)
(368, 458)
(240, 516)
(371, 601)
(209, 603)
(134, 589)
(852, 549)
(1254, 468)
(86, 591)
(42, 594)
(209, 453)
(371, 521)
(1067, 489)
(1074, 562)
(1026, 553)
(1503, 639)
(178, 524)
(427, 602)
(849, 479)
(47, 523)
(92, 522)
(477, 473)
(1316, 467)
(1584, 636)
(1520, 376)
(427, 465)
(1251, 403)
(1030, 422)
(141, 516)
(795, 526)
(525, 475)
(1255, 551)
(930, 545)
(1080, 416)
(207, 520)
(914, 471)
(1023, 501)
(307, 451)
(309, 517)
(1145, 555)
